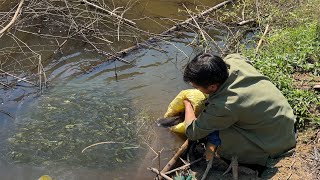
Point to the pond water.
(90, 101)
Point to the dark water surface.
(87, 103)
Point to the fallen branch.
(174, 159)
(99, 51)
(14, 18)
(172, 29)
(195, 18)
(184, 166)
(261, 39)
(16, 77)
(5, 85)
(160, 173)
(110, 13)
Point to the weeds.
(289, 51)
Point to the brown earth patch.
(305, 81)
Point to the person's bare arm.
(189, 115)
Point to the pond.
(90, 101)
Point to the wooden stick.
(175, 157)
(160, 173)
(20, 79)
(261, 39)
(209, 165)
(5, 85)
(184, 166)
(244, 22)
(108, 142)
(110, 13)
(204, 13)
(14, 18)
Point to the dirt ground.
(301, 163)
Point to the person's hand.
(189, 115)
(187, 103)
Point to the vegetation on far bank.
(290, 49)
(286, 53)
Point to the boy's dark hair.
(206, 69)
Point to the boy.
(244, 109)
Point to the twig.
(157, 153)
(159, 173)
(261, 39)
(204, 176)
(159, 158)
(244, 22)
(196, 23)
(20, 79)
(5, 85)
(6, 113)
(14, 18)
(204, 13)
(109, 12)
(184, 161)
(293, 162)
(107, 142)
(184, 166)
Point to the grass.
(288, 51)
(291, 48)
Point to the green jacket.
(254, 119)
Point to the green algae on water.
(59, 126)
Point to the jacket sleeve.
(210, 119)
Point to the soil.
(305, 81)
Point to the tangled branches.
(35, 30)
